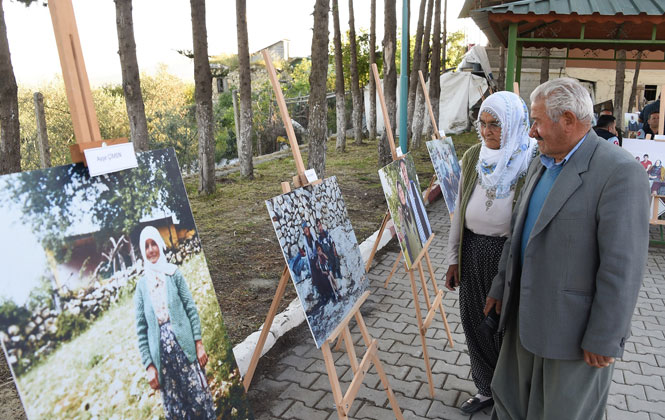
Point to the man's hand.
(452, 277)
(596, 360)
(492, 303)
(153, 377)
(201, 353)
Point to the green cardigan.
(469, 181)
(183, 316)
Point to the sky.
(161, 27)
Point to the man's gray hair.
(565, 94)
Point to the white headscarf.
(162, 266)
(500, 169)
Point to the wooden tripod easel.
(343, 401)
(77, 86)
(417, 265)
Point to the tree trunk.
(619, 87)
(413, 76)
(10, 135)
(340, 109)
(545, 65)
(131, 83)
(502, 68)
(42, 134)
(419, 112)
(444, 38)
(355, 82)
(389, 77)
(317, 124)
(434, 82)
(636, 76)
(371, 124)
(203, 98)
(244, 139)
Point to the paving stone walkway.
(297, 386)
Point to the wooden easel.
(77, 86)
(343, 401)
(417, 264)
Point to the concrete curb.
(294, 315)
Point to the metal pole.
(511, 55)
(404, 77)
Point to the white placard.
(659, 137)
(310, 174)
(107, 159)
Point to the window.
(650, 92)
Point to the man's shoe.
(474, 404)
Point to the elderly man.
(570, 272)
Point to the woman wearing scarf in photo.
(169, 334)
(492, 175)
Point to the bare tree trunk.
(355, 82)
(131, 82)
(340, 109)
(203, 98)
(444, 38)
(10, 134)
(502, 68)
(389, 77)
(619, 87)
(633, 89)
(545, 65)
(317, 124)
(419, 112)
(371, 124)
(244, 139)
(42, 134)
(413, 76)
(434, 82)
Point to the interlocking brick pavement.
(296, 385)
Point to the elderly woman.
(169, 334)
(492, 175)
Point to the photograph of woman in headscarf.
(169, 334)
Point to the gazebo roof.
(604, 24)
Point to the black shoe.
(474, 404)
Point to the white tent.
(459, 92)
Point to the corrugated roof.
(580, 7)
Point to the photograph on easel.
(446, 166)
(107, 308)
(651, 154)
(403, 195)
(321, 251)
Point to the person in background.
(569, 275)
(492, 175)
(646, 112)
(606, 128)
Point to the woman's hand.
(490, 303)
(201, 353)
(153, 377)
(452, 277)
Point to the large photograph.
(651, 155)
(107, 309)
(405, 202)
(446, 166)
(321, 250)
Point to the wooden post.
(384, 110)
(516, 88)
(42, 135)
(236, 113)
(429, 105)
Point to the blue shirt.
(540, 193)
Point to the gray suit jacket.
(585, 257)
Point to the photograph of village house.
(72, 295)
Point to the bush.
(70, 326)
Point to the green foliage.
(455, 49)
(364, 72)
(226, 145)
(70, 326)
(12, 314)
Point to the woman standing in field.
(169, 334)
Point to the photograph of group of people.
(650, 154)
(407, 210)
(107, 306)
(321, 251)
(447, 169)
